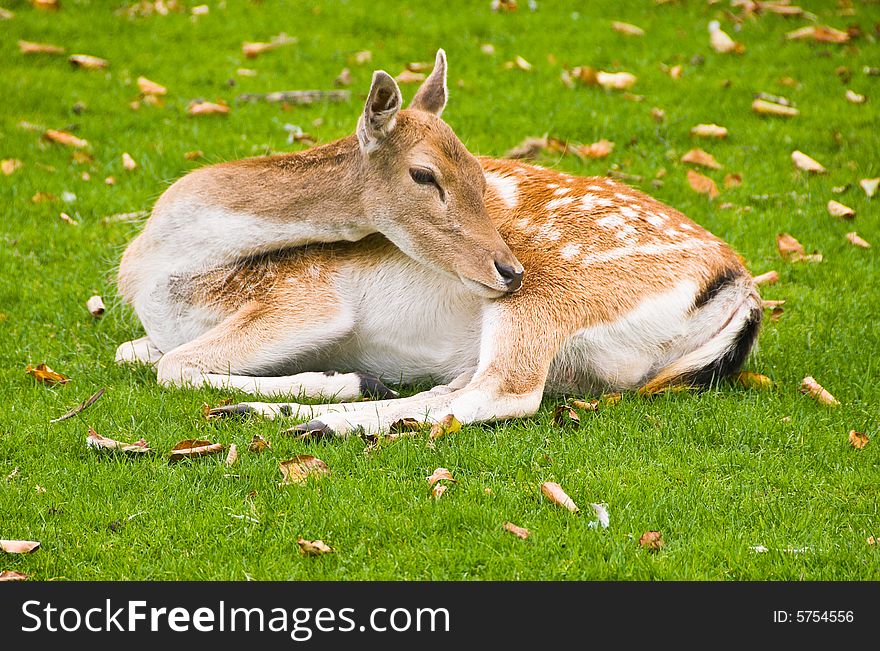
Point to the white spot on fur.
(505, 186)
(685, 226)
(596, 188)
(588, 202)
(547, 232)
(553, 204)
(625, 232)
(522, 223)
(628, 212)
(671, 232)
(561, 191)
(654, 220)
(570, 251)
(550, 186)
(646, 249)
(611, 221)
(623, 197)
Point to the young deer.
(620, 291)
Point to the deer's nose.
(512, 277)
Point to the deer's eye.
(422, 176)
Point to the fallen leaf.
(46, 375)
(5, 14)
(10, 575)
(207, 108)
(406, 425)
(602, 518)
(810, 387)
(658, 114)
(97, 442)
(598, 149)
(148, 87)
(26, 47)
(553, 492)
(519, 532)
(10, 165)
(652, 541)
(529, 148)
(87, 61)
(343, 78)
(194, 155)
(42, 197)
(64, 138)
(592, 405)
(300, 468)
(438, 490)
(820, 33)
(110, 180)
(13, 474)
(768, 304)
(788, 247)
(837, 209)
(192, 448)
(675, 71)
(438, 475)
(854, 98)
(702, 184)
(409, 77)
(18, 546)
(776, 313)
(564, 415)
(611, 398)
(855, 240)
(48, 5)
(128, 162)
(870, 186)
(753, 380)
(721, 41)
(68, 219)
(81, 407)
(700, 157)
(764, 107)
(487, 48)
(709, 131)
(232, 457)
(627, 28)
(447, 425)
(362, 57)
(615, 80)
(258, 444)
(95, 306)
(246, 72)
(858, 439)
(732, 180)
(251, 50)
(39, 489)
(313, 547)
(504, 5)
(804, 162)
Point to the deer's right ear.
(380, 111)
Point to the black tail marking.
(714, 286)
(733, 359)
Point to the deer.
(394, 256)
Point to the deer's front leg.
(515, 356)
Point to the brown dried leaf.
(753, 380)
(192, 448)
(232, 456)
(858, 439)
(553, 492)
(870, 186)
(658, 114)
(196, 154)
(438, 475)
(770, 304)
(820, 33)
(343, 78)
(406, 425)
(615, 80)
(810, 387)
(10, 165)
(855, 240)
(598, 149)
(804, 162)
(732, 180)
(627, 28)
(148, 87)
(721, 41)
(10, 575)
(410, 77)
(652, 541)
(251, 50)
(97, 442)
(447, 425)
(592, 405)
(64, 138)
(709, 131)
(764, 107)
(313, 547)
(702, 184)
(529, 148)
(519, 532)
(300, 468)
(438, 490)
(362, 57)
(207, 108)
(853, 97)
(26, 47)
(87, 61)
(837, 209)
(700, 157)
(46, 5)
(564, 415)
(46, 375)
(18, 546)
(128, 162)
(258, 444)
(95, 306)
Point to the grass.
(717, 472)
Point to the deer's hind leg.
(236, 353)
(138, 351)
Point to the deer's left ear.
(432, 96)
(380, 111)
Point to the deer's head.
(424, 191)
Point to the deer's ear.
(432, 96)
(380, 111)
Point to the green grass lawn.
(717, 472)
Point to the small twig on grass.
(81, 408)
(297, 96)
